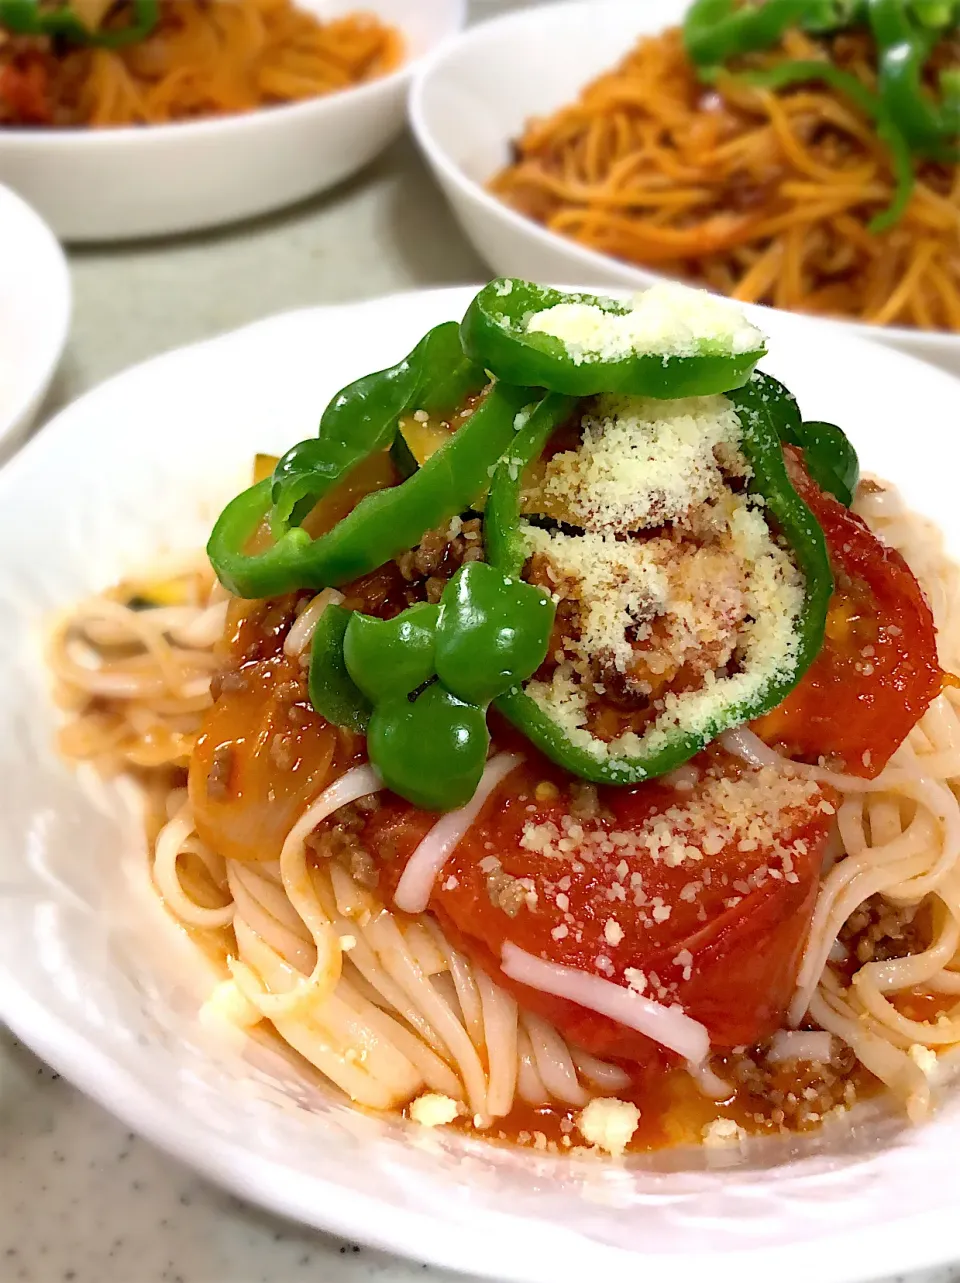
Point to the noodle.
(761, 196)
(204, 58)
(383, 1004)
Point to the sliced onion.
(423, 867)
(669, 1026)
(751, 749)
(301, 632)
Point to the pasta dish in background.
(153, 63)
(576, 766)
(780, 170)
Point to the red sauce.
(792, 1097)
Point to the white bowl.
(116, 184)
(34, 314)
(99, 983)
(473, 97)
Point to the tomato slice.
(700, 897)
(878, 669)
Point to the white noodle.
(421, 871)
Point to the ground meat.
(618, 688)
(505, 892)
(218, 777)
(421, 574)
(264, 627)
(230, 682)
(440, 554)
(792, 1094)
(339, 840)
(584, 801)
(283, 751)
(878, 931)
(26, 67)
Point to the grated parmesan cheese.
(742, 596)
(923, 1057)
(612, 932)
(609, 1124)
(666, 320)
(642, 462)
(636, 979)
(722, 1132)
(433, 1109)
(751, 811)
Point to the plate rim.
(58, 320)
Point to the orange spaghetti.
(204, 58)
(764, 196)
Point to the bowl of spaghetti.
(526, 837)
(142, 119)
(613, 156)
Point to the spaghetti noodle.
(759, 194)
(213, 58)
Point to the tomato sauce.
(787, 1098)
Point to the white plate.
(97, 981)
(114, 184)
(473, 97)
(34, 314)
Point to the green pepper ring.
(761, 445)
(491, 336)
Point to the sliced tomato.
(878, 669)
(721, 935)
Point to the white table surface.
(82, 1200)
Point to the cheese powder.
(685, 604)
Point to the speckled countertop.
(82, 1200)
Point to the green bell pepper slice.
(903, 47)
(831, 460)
(333, 693)
(762, 418)
(798, 72)
(430, 750)
(362, 419)
(494, 334)
(380, 675)
(716, 30)
(382, 524)
(829, 457)
(493, 632)
(26, 18)
(387, 658)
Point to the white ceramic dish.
(115, 184)
(97, 981)
(34, 314)
(470, 99)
